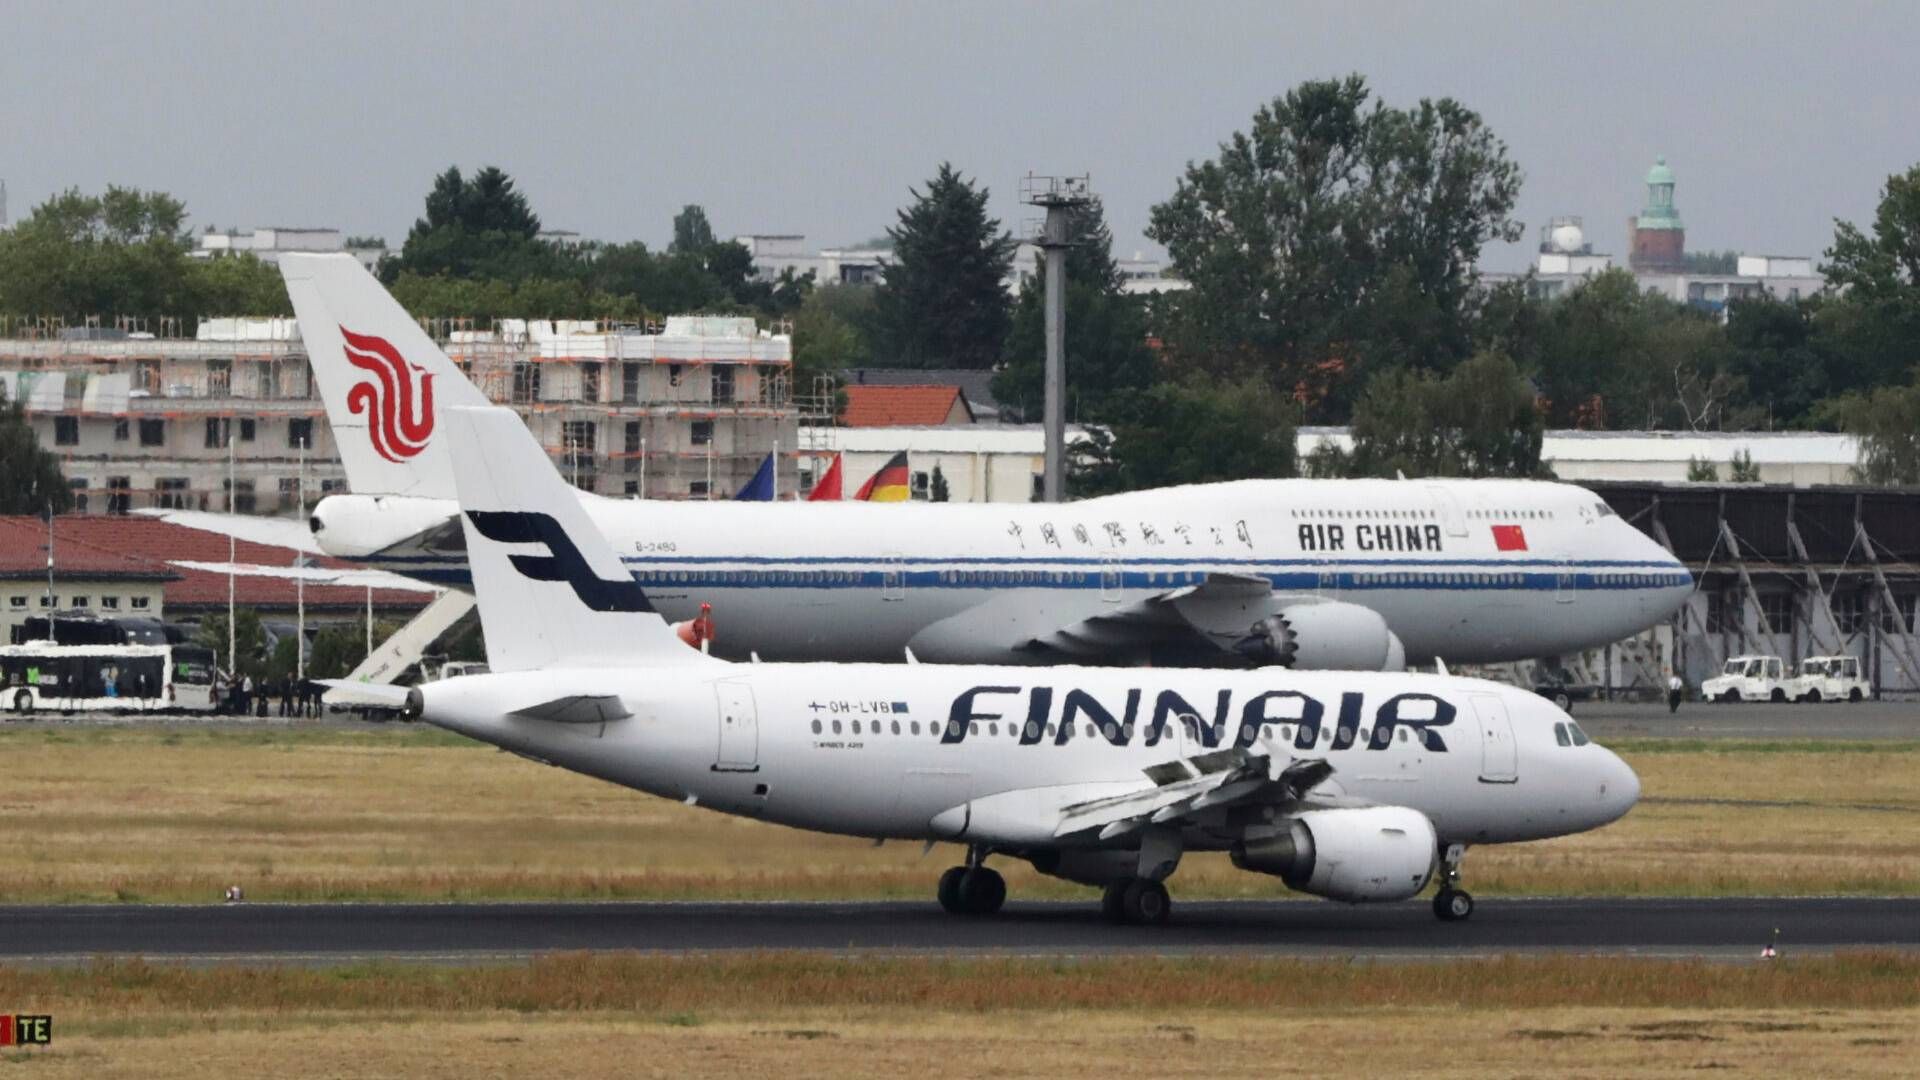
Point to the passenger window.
(836, 727)
(816, 727)
(1402, 732)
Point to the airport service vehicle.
(1829, 678)
(1309, 574)
(42, 676)
(1353, 786)
(1748, 678)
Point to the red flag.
(1509, 538)
(828, 486)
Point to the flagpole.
(643, 466)
(53, 636)
(232, 555)
(300, 582)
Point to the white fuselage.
(1469, 571)
(990, 755)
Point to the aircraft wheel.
(1453, 905)
(1113, 902)
(23, 701)
(1146, 902)
(949, 891)
(982, 891)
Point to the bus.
(40, 676)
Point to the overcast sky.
(816, 118)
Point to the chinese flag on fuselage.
(1509, 538)
(889, 484)
(827, 488)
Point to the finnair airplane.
(1354, 786)
(1310, 574)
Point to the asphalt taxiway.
(1723, 928)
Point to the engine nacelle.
(1327, 635)
(1361, 855)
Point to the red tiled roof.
(902, 406)
(152, 544)
(23, 554)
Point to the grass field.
(178, 813)
(811, 1016)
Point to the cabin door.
(739, 729)
(1499, 758)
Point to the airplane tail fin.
(382, 378)
(552, 591)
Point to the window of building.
(1849, 611)
(918, 484)
(78, 485)
(630, 383)
(702, 432)
(219, 378)
(122, 430)
(146, 376)
(16, 601)
(247, 428)
(586, 481)
(170, 493)
(1898, 619)
(526, 383)
(300, 433)
(139, 602)
(590, 382)
(1778, 610)
(723, 384)
(79, 602)
(48, 601)
(1039, 492)
(110, 603)
(153, 433)
(699, 489)
(674, 373)
(633, 437)
(632, 488)
(1724, 615)
(240, 496)
(66, 431)
(119, 494)
(577, 436)
(219, 429)
(331, 484)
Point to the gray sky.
(816, 118)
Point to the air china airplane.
(1350, 786)
(1311, 574)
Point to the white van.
(1829, 678)
(1748, 678)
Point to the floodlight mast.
(1062, 197)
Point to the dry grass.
(621, 1015)
(144, 814)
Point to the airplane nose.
(1618, 788)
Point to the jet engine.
(1325, 636)
(1358, 855)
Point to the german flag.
(890, 484)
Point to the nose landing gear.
(1452, 903)
(973, 889)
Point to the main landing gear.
(973, 889)
(1136, 900)
(1452, 903)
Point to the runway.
(458, 932)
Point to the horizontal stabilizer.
(578, 709)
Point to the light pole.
(1061, 197)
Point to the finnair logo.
(564, 563)
(397, 398)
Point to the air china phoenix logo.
(399, 414)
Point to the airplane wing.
(1187, 787)
(279, 532)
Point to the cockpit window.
(1560, 735)
(1603, 509)
(1579, 737)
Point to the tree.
(1776, 351)
(1875, 319)
(1481, 420)
(249, 642)
(1742, 470)
(1190, 431)
(1702, 471)
(30, 479)
(337, 650)
(692, 234)
(1887, 422)
(1336, 236)
(478, 227)
(943, 303)
(123, 253)
(937, 486)
(1106, 345)
(1611, 355)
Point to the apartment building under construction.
(147, 416)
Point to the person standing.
(1676, 689)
